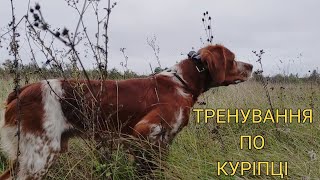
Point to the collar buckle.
(200, 70)
(195, 56)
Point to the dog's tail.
(2, 121)
(5, 174)
(2, 113)
(2, 108)
(7, 141)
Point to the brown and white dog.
(137, 107)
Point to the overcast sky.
(283, 28)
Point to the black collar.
(196, 59)
(186, 87)
(183, 82)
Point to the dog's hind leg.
(37, 155)
(8, 145)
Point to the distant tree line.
(291, 78)
(32, 71)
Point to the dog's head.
(222, 66)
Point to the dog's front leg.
(156, 131)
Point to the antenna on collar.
(194, 55)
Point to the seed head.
(45, 26)
(37, 7)
(57, 34)
(65, 32)
(36, 17)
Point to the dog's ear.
(214, 58)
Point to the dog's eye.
(231, 64)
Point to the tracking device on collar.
(196, 58)
(194, 55)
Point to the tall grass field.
(196, 151)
